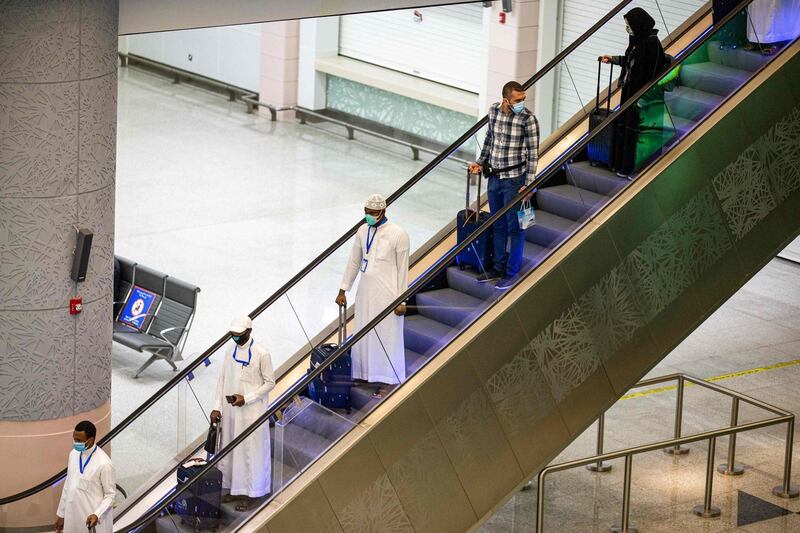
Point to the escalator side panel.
(540, 366)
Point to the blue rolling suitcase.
(201, 505)
(333, 386)
(478, 254)
(601, 146)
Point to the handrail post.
(731, 468)
(626, 500)
(678, 449)
(540, 502)
(707, 510)
(600, 466)
(787, 490)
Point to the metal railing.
(252, 103)
(706, 509)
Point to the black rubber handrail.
(322, 256)
(429, 275)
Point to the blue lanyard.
(369, 241)
(81, 465)
(249, 354)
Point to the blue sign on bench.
(137, 308)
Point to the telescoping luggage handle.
(477, 202)
(610, 79)
(342, 324)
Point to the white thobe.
(89, 493)
(379, 358)
(247, 470)
(772, 21)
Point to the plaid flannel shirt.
(510, 140)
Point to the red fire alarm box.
(75, 306)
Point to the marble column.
(58, 89)
(279, 59)
(513, 49)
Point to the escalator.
(617, 273)
(569, 197)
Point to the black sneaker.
(492, 275)
(506, 283)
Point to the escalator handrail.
(431, 273)
(320, 258)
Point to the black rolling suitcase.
(478, 254)
(201, 505)
(601, 146)
(333, 386)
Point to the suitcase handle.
(477, 202)
(610, 80)
(342, 324)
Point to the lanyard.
(81, 465)
(249, 354)
(369, 241)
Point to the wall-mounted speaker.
(80, 260)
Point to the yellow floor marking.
(740, 373)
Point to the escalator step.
(426, 336)
(713, 78)
(466, 281)
(550, 229)
(448, 306)
(738, 58)
(596, 179)
(690, 103)
(568, 201)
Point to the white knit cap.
(241, 324)
(376, 202)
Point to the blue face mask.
(79, 446)
(518, 107)
(371, 220)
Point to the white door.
(441, 44)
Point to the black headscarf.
(642, 25)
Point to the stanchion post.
(626, 500)
(707, 510)
(787, 490)
(731, 468)
(540, 503)
(600, 466)
(678, 449)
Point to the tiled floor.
(757, 328)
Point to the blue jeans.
(500, 193)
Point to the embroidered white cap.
(376, 202)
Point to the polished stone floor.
(237, 205)
(757, 330)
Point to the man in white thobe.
(242, 396)
(773, 21)
(380, 255)
(87, 498)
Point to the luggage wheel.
(462, 267)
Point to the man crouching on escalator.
(242, 396)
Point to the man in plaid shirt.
(511, 148)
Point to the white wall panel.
(231, 54)
(445, 46)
